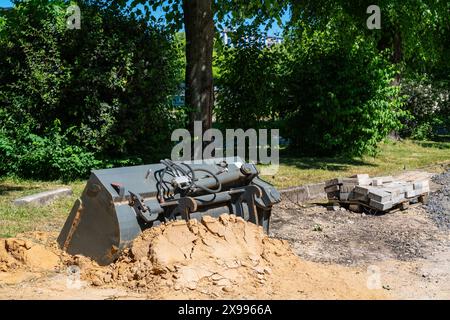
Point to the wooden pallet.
(358, 206)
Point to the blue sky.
(5, 3)
(274, 30)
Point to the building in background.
(264, 40)
(178, 100)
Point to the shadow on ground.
(331, 164)
(434, 144)
(8, 188)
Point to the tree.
(414, 35)
(200, 19)
(199, 27)
(338, 94)
(69, 97)
(411, 30)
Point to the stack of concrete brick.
(380, 193)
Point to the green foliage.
(416, 24)
(340, 97)
(108, 84)
(44, 157)
(247, 88)
(330, 92)
(414, 34)
(227, 12)
(429, 106)
(73, 100)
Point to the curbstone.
(43, 198)
(316, 190)
(304, 193)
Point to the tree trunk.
(199, 28)
(397, 55)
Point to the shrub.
(108, 84)
(428, 103)
(247, 86)
(329, 94)
(44, 157)
(339, 97)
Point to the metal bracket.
(248, 196)
(185, 206)
(139, 206)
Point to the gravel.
(439, 202)
(349, 238)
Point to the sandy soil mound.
(224, 252)
(16, 253)
(225, 257)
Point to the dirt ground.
(225, 258)
(311, 253)
(406, 249)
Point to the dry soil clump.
(222, 253)
(16, 253)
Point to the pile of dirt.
(18, 254)
(223, 257)
(222, 252)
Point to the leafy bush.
(44, 157)
(339, 96)
(330, 94)
(247, 86)
(108, 84)
(428, 103)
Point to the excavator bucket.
(118, 204)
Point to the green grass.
(14, 220)
(393, 157)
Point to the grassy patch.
(393, 157)
(15, 219)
